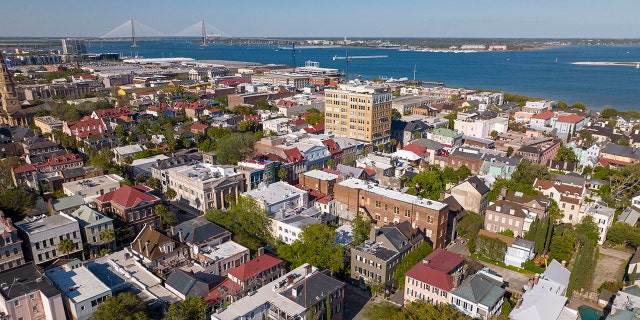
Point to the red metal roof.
(25, 168)
(418, 150)
(128, 196)
(294, 154)
(570, 118)
(435, 268)
(254, 267)
(546, 115)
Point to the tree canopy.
(248, 222)
(192, 308)
(361, 229)
(316, 246)
(566, 154)
(125, 305)
(418, 309)
(416, 255)
(431, 183)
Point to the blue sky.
(330, 18)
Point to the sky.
(327, 18)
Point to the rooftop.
(78, 284)
(321, 175)
(129, 197)
(396, 195)
(275, 192)
(308, 288)
(254, 267)
(44, 223)
(204, 172)
(223, 250)
(30, 280)
(87, 216)
(80, 185)
(67, 202)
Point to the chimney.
(260, 251)
(146, 247)
(373, 233)
(503, 193)
(307, 270)
(173, 232)
(180, 235)
(140, 246)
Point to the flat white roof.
(275, 192)
(396, 195)
(224, 250)
(78, 284)
(322, 175)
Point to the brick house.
(135, 205)
(385, 206)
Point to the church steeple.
(9, 97)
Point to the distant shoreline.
(606, 63)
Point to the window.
(429, 219)
(377, 204)
(407, 213)
(16, 303)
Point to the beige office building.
(358, 113)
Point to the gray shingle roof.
(481, 289)
(198, 230)
(181, 281)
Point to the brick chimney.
(260, 251)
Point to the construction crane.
(349, 59)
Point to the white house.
(44, 233)
(519, 252)
(279, 197)
(480, 295)
(602, 216)
(82, 290)
(289, 229)
(278, 126)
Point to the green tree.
(413, 257)
(621, 233)
(494, 134)
(315, 118)
(566, 154)
(451, 118)
(192, 308)
(562, 105)
(170, 194)
(509, 151)
(125, 306)
(562, 247)
(361, 229)
(507, 232)
(381, 147)
(248, 126)
(234, 147)
(316, 246)
(282, 174)
(223, 100)
(153, 183)
(244, 110)
(167, 217)
(140, 178)
(247, 221)
(330, 163)
(395, 114)
(579, 105)
(65, 246)
(468, 228)
(107, 236)
(609, 113)
(263, 104)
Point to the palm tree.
(107, 235)
(66, 246)
(170, 193)
(282, 173)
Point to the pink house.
(87, 125)
(432, 278)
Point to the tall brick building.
(385, 206)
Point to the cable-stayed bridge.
(134, 29)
